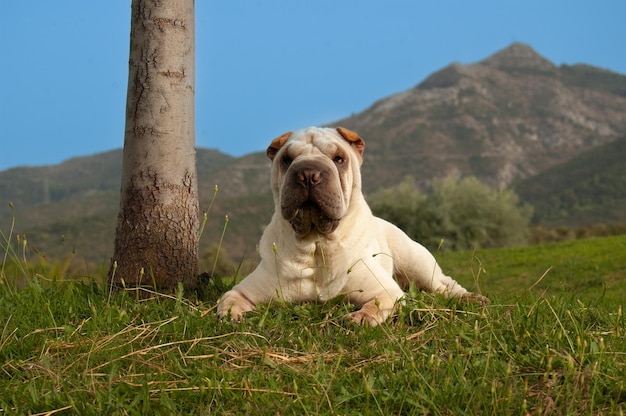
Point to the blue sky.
(265, 67)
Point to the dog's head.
(315, 173)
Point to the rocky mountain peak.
(444, 78)
(519, 56)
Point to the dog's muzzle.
(310, 199)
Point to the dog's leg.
(413, 262)
(256, 288)
(373, 288)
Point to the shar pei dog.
(323, 240)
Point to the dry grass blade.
(51, 412)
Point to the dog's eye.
(286, 160)
(339, 160)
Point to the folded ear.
(276, 144)
(355, 140)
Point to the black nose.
(309, 177)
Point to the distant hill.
(71, 208)
(513, 119)
(588, 189)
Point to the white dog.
(324, 241)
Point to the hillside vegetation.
(463, 212)
(590, 188)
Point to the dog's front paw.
(370, 314)
(475, 297)
(363, 318)
(233, 304)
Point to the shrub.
(465, 213)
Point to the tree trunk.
(156, 240)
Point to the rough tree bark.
(156, 240)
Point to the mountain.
(513, 119)
(502, 119)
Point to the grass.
(593, 270)
(554, 347)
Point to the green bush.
(464, 213)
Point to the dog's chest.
(329, 278)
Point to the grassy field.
(551, 342)
(591, 270)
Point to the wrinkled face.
(314, 174)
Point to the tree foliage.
(464, 213)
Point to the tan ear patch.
(355, 140)
(276, 144)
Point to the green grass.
(557, 347)
(591, 270)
